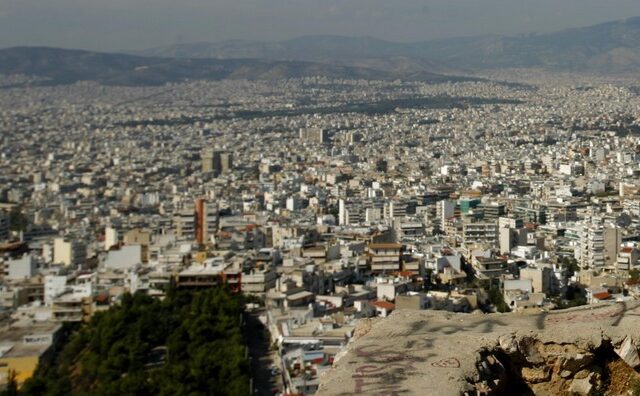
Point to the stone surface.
(629, 353)
(508, 343)
(436, 353)
(582, 374)
(582, 386)
(529, 347)
(536, 375)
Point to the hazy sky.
(137, 24)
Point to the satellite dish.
(623, 221)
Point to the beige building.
(68, 253)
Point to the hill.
(612, 47)
(63, 66)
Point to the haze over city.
(138, 24)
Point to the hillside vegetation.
(188, 344)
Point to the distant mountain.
(62, 66)
(345, 51)
(612, 47)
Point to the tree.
(570, 264)
(17, 220)
(574, 297)
(117, 352)
(634, 275)
(497, 299)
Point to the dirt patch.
(621, 378)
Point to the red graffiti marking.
(447, 363)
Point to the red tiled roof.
(384, 304)
(602, 295)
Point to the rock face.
(545, 368)
(583, 386)
(629, 352)
(439, 353)
(536, 375)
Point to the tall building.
(206, 220)
(394, 209)
(511, 233)
(226, 161)
(480, 232)
(492, 211)
(446, 210)
(599, 245)
(69, 253)
(184, 222)
(207, 161)
(216, 161)
(314, 135)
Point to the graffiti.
(413, 347)
(422, 327)
(381, 354)
(384, 370)
(447, 363)
(424, 343)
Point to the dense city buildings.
(468, 197)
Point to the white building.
(54, 285)
(110, 238)
(22, 268)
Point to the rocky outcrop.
(628, 352)
(544, 368)
(587, 350)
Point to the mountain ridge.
(610, 47)
(64, 66)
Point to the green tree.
(497, 299)
(17, 220)
(113, 355)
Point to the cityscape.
(467, 233)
